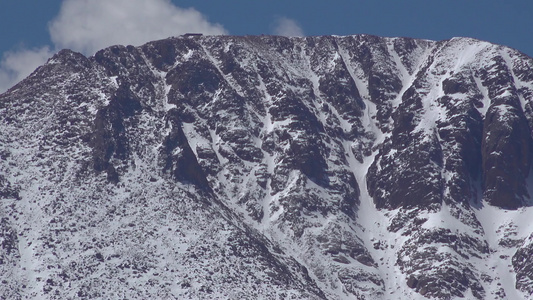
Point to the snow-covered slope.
(353, 167)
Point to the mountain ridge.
(344, 167)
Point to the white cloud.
(90, 25)
(287, 27)
(17, 65)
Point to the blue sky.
(33, 30)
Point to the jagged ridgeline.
(261, 167)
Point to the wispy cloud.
(87, 26)
(18, 64)
(287, 27)
(90, 25)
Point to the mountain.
(262, 167)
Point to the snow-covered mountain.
(264, 167)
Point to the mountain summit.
(262, 167)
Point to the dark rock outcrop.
(178, 157)
(109, 140)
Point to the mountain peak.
(269, 167)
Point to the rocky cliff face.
(351, 167)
